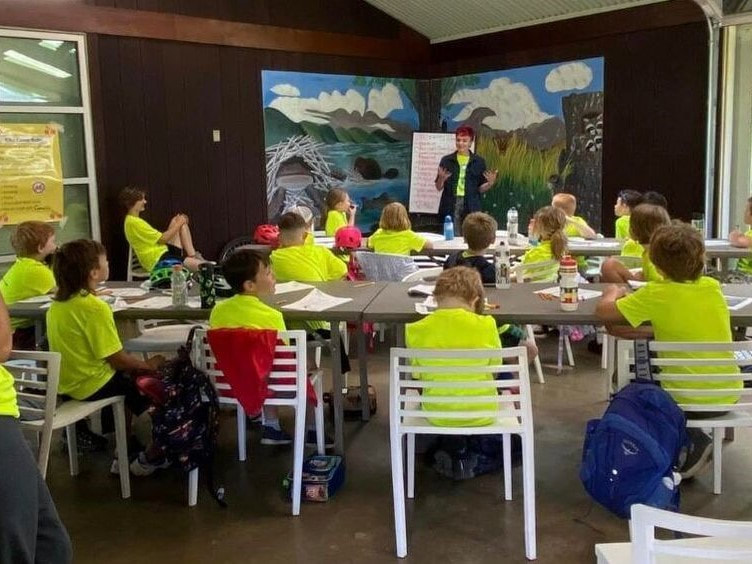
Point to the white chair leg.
(193, 487)
(411, 465)
(44, 440)
(298, 446)
(382, 330)
(317, 357)
(70, 432)
(507, 453)
(717, 453)
(318, 414)
(536, 361)
(560, 351)
(604, 351)
(568, 346)
(240, 414)
(398, 494)
(528, 487)
(121, 443)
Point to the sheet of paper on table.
(44, 299)
(636, 283)
(126, 292)
(583, 293)
(716, 243)
(421, 290)
(598, 244)
(737, 302)
(426, 306)
(291, 287)
(316, 300)
(156, 302)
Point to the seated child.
(576, 226)
(340, 211)
(548, 227)
(645, 219)
(457, 323)
(743, 272)
(34, 242)
(683, 306)
(153, 248)
(395, 234)
(307, 216)
(80, 326)
(625, 203)
(655, 198)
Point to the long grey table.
(361, 293)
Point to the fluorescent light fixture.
(25, 61)
(51, 44)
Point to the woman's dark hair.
(72, 264)
(243, 265)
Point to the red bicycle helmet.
(266, 235)
(348, 238)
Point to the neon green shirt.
(649, 272)
(25, 279)
(622, 227)
(632, 248)
(8, 405)
(744, 264)
(334, 221)
(540, 253)
(686, 312)
(306, 263)
(462, 160)
(145, 241)
(571, 230)
(396, 242)
(82, 329)
(245, 311)
(309, 240)
(449, 329)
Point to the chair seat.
(71, 411)
(420, 424)
(731, 419)
(621, 552)
(159, 339)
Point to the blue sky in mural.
(310, 85)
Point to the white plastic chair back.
(544, 271)
(511, 414)
(135, 270)
(424, 274)
(384, 267)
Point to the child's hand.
(734, 235)
(614, 292)
(353, 208)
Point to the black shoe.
(698, 456)
(86, 441)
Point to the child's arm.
(583, 228)
(173, 229)
(606, 309)
(428, 245)
(738, 239)
(351, 215)
(121, 360)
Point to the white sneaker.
(141, 467)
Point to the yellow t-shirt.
(455, 329)
(622, 227)
(334, 221)
(571, 230)
(649, 272)
(540, 253)
(82, 329)
(25, 279)
(686, 312)
(396, 242)
(744, 264)
(8, 405)
(632, 248)
(309, 239)
(462, 160)
(145, 241)
(306, 263)
(245, 311)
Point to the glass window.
(39, 71)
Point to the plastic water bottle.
(501, 266)
(448, 228)
(568, 285)
(179, 286)
(513, 227)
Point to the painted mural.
(326, 131)
(540, 126)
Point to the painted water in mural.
(540, 126)
(324, 131)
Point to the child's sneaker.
(310, 440)
(274, 436)
(142, 467)
(698, 456)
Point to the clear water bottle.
(501, 266)
(448, 228)
(179, 286)
(513, 227)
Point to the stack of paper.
(316, 300)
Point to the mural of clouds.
(310, 109)
(285, 90)
(570, 76)
(383, 102)
(512, 103)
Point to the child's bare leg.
(532, 349)
(186, 241)
(614, 272)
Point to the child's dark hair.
(645, 219)
(630, 198)
(72, 265)
(479, 230)
(29, 236)
(678, 251)
(243, 265)
(130, 195)
(655, 198)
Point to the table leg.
(39, 331)
(363, 367)
(339, 431)
(399, 334)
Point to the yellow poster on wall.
(31, 173)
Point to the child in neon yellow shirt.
(743, 240)
(340, 211)
(395, 234)
(576, 225)
(548, 225)
(682, 306)
(34, 242)
(307, 216)
(625, 203)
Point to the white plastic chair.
(383, 267)
(514, 416)
(721, 541)
(424, 274)
(738, 414)
(294, 395)
(36, 376)
(135, 271)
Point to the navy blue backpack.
(630, 454)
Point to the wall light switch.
(215, 135)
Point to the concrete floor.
(448, 521)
